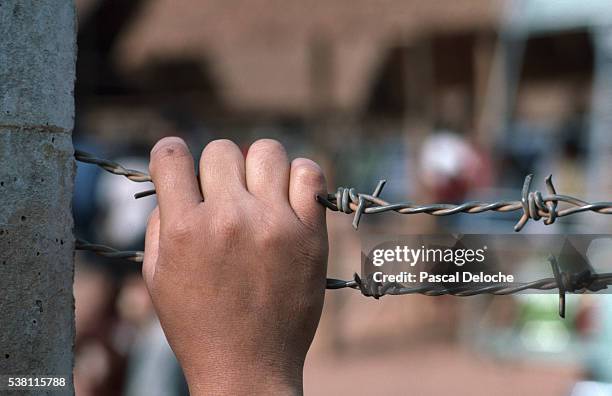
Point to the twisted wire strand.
(107, 251)
(534, 204)
(370, 288)
(565, 282)
(112, 167)
(584, 280)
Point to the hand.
(237, 271)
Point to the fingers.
(172, 171)
(151, 247)
(221, 168)
(267, 170)
(307, 180)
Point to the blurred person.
(152, 367)
(110, 310)
(241, 309)
(99, 366)
(451, 166)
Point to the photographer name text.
(456, 277)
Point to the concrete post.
(37, 72)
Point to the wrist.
(254, 379)
(240, 387)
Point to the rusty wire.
(534, 204)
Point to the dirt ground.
(433, 370)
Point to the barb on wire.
(566, 282)
(534, 204)
(107, 251)
(112, 167)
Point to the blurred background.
(449, 100)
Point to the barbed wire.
(107, 251)
(111, 166)
(564, 281)
(534, 204)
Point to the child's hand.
(237, 280)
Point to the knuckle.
(179, 231)
(273, 237)
(167, 149)
(219, 146)
(310, 175)
(267, 145)
(229, 225)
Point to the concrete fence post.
(37, 72)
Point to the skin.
(235, 264)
